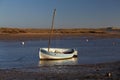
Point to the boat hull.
(56, 53)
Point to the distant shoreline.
(30, 34)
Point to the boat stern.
(75, 53)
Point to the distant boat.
(56, 53)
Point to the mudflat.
(103, 71)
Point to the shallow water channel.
(13, 54)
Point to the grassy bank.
(34, 33)
(72, 30)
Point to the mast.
(52, 27)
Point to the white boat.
(56, 53)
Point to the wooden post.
(52, 27)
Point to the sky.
(69, 13)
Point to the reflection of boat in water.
(71, 61)
(56, 53)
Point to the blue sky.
(69, 14)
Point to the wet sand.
(33, 36)
(103, 71)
